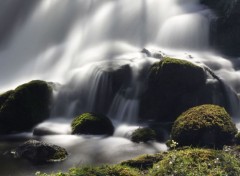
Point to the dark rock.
(225, 29)
(168, 81)
(176, 85)
(39, 152)
(23, 108)
(93, 124)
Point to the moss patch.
(205, 126)
(90, 123)
(197, 162)
(106, 170)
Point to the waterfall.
(82, 44)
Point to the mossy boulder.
(21, 109)
(204, 126)
(143, 135)
(39, 152)
(196, 162)
(93, 124)
(169, 81)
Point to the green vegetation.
(144, 162)
(169, 82)
(204, 126)
(196, 162)
(143, 135)
(23, 108)
(184, 162)
(90, 123)
(106, 170)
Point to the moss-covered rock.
(91, 123)
(196, 162)
(169, 81)
(106, 170)
(143, 135)
(205, 126)
(40, 152)
(21, 109)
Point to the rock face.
(21, 109)
(204, 126)
(93, 124)
(40, 152)
(225, 29)
(176, 85)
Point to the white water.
(78, 42)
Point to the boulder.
(169, 80)
(92, 124)
(143, 135)
(39, 152)
(204, 126)
(176, 85)
(21, 109)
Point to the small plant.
(172, 144)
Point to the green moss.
(106, 170)
(143, 135)
(90, 123)
(144, 162)
(176, 72)
(25, 106)
(205, 125)
(60, 154)
(197, 162)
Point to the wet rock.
(39, 152)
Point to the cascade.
(91, 50)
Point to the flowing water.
(78, 45)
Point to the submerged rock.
(143, 135)
(93, 124)
(21, 109)
(204, 126)
(39, 152)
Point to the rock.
(21, 109)
(143, 135)
(204, 126)
(169, 80)
(176, 85)
(40, 152)
(92, 124)
(225, 29)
